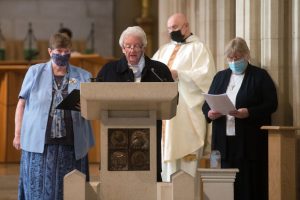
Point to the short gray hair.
(133, 31)
(60, 40)
(237, 45)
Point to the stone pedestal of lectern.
(217, 183)
(128, 114)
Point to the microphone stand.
(152, 70)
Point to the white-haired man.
(135, 66)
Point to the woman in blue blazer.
(53, 141)
(238, 136)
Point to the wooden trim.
(3, 116)
(281, 128)
(282, 162)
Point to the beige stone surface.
(74, 185)
(164, 191)
(221, 180)
(128, 185)
(131, 96)
(183, 186)
(128, 105)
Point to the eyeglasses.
(135, 47)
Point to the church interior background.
(270, 27)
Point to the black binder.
(71, 101)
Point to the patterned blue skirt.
(42, 174)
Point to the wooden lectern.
(282, 162)
(128, 113)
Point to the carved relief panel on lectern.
(128, 149)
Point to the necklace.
(235, 80)
(58, 80)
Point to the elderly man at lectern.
(135, 66)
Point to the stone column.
(225, 30)
(162, 22)
(206, 23)
(295, 79)
(273, 52)
(146, 22)
(296, 61)
(215, 25)
(166, 8)
(248, 26)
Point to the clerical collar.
(187, 37)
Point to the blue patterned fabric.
(58, 128)
(41, 174)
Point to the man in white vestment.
(192, 65)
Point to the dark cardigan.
(119, 71)
(258, 94)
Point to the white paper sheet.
(219, 102)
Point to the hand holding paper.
(241, 113)
(219, 103)
(214, 114)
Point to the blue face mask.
(60, 60)
(239, 66)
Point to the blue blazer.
(37, 91)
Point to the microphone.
(97, 79)
(152, 70)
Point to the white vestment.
(186, 132)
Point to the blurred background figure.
(66, 31)
(69, 33)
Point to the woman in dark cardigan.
(238, 136)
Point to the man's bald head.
(178, 21)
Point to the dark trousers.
(251, 181)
